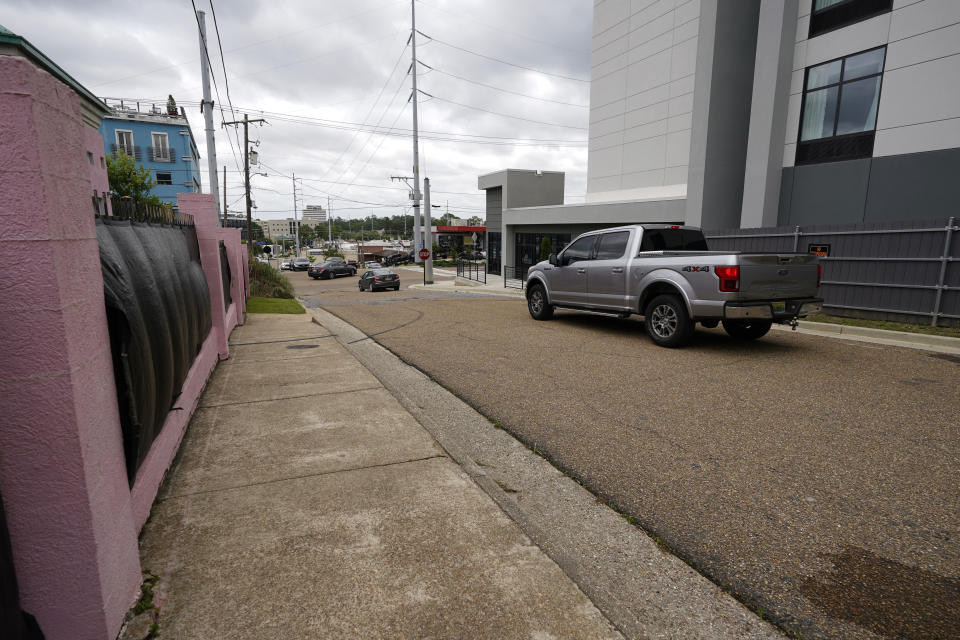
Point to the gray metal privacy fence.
(889, 270)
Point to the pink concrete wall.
(99, 183)
(164, 448)
(215, 347)
(73, 520)
(61, 460)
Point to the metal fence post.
(796, 239)
(944, 260)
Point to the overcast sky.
(317, 70)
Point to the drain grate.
(303, 346)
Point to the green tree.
(307, 234)
(132, 180)
(545, 249)
(475, 221)
(171, 106)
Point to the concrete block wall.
(72, 517)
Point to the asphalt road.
(816, 479)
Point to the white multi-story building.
(314, 214)
(750, 113)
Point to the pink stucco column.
(62, 469)
(237, 255)
(201, 206)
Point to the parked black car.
(331, 269)
(379, 279)
(398, 258)
(300, 264)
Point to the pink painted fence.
(72, 517)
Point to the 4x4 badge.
(689, 268)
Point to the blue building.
(159, 139)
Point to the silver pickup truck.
(667, 274)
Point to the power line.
(443, 136)
(372, 107)
(504, 115)
(490, 86)
(226, 79)
(499, 29)
(511, 64)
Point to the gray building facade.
(758, 113)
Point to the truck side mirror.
(553, 259)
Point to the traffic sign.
(424, 254)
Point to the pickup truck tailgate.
(777, 276)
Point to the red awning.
(461, 229)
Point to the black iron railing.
(514, 277)
(129, 209)
(475, 270)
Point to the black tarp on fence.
(158, 312)
(225, 275)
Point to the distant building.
(314, 214)
(286, 228)
(158, 139)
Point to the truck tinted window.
(579, 250)
(673, 240)
(612, 245)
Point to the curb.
(883, 336)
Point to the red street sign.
(424, 254)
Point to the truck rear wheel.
(747, 329)
(537, 303)
(667, 321)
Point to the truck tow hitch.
(793, 323)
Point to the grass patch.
(950, 332)
(145, 603)
(267, 282)
(273, 305)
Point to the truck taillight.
(729, 278)
(819, 274)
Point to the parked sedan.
(329, 269)
(300, 264)
(372, 265)
(286, 265)
(379, 279)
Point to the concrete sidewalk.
(306, 502)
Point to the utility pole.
(428, 263)
(416, 145)
(246, 171)
(329, 222)
(207, 107)
(296, 227)
(224, 195)
(406, 180)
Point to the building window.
(125, 142)
(827, 15)
(839, 111)
(89, 157)
(161, 147)
(164, 178)
(103, 163)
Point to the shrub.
(267, 282)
